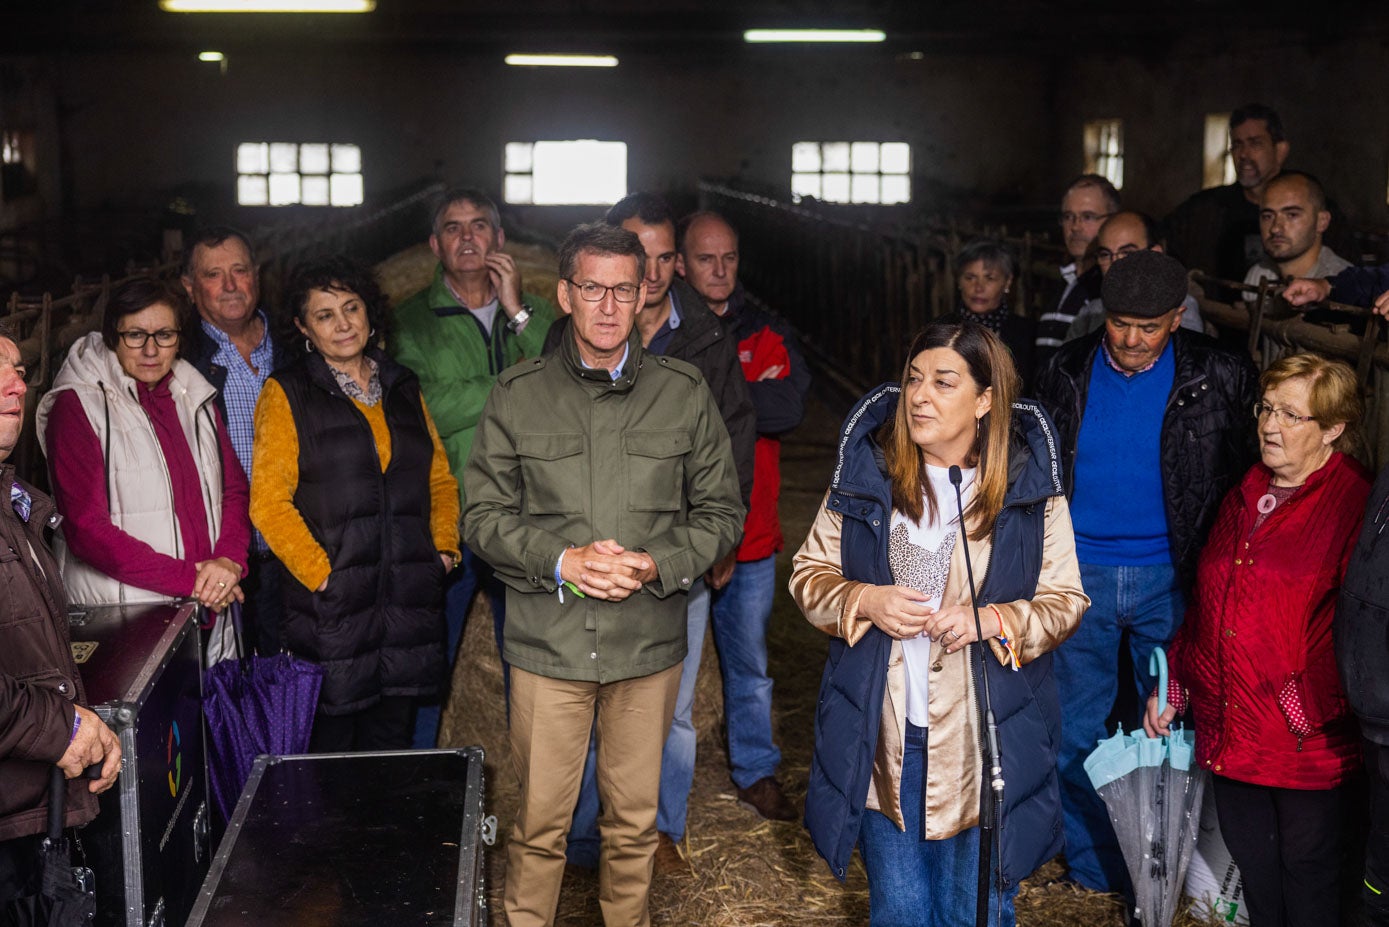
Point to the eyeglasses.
(1282, 416)
(1086, 218)
(595, 292)
(1105, 256)
(136, 338)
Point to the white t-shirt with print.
(919, 556)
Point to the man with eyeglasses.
(601, 485)
(457, 334)
(1122, 234)
(1154, 426)
(1088, 201)
(673, 321)
(233, 349)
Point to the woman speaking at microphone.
(896, 767)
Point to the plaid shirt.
(241, 391)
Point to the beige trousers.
(550, 724)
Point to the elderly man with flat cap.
(1155, 424)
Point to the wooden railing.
(48, 324)
(857, 295)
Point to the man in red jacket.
(40, 721)
(745, 581)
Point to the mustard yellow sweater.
(275, 469)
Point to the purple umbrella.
(255, 705)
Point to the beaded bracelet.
(1003, 638)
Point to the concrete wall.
(145, 125)
(1328, 94)
(139, 127)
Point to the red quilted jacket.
(1255, 652)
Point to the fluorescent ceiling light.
(814, 35)
(267, 6)
(562, 61)
(211, 56)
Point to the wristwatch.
(519, 319)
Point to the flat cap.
(1145, 284)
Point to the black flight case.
(149, 845)
(353, 840)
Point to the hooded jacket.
(1027, 568)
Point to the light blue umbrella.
(1153, 795)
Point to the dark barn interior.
(124, 127)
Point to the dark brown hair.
(990, 366)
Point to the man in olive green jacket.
(601, 486)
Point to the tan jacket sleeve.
(828, 600)
(1040, 624)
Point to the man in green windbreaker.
(458, 334)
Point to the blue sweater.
(1117, 507)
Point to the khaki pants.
(550, 724)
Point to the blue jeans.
(677, 757)
(473, 574)
(742, 612)
(923, 883)
(1145, 601)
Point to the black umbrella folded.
(64, 897)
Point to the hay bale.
(407, 272)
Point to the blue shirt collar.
(616, 372)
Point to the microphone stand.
(989, 812)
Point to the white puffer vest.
(138, 487)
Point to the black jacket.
(378, 627)
(1361, 632)
(701, 341)
(1208, 436)
(202, 348)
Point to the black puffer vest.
(377, 629)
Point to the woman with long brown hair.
(883, 572)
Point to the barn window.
(290, 174)
(1217, 167)
(18, 165)
(1104, 150)
(552, 173)
(852, 172)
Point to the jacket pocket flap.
(549, 446)
(673, 443)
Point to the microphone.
(996, 768)
(989, 812)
